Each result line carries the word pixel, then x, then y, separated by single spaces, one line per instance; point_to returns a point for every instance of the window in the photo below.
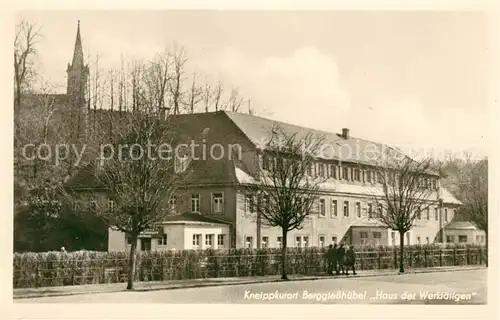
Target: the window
pixel 196 240
pixel 298 241
pixel 418 240
pixel 358 209
pixel 478 238
pixel 419 214
pixel 436 214
pixel 266 203
pixel 357 174
pixel 163 240
pixel 111 205
pixel 407 238
pixel 209 240
pixel 265 162
pixel 380 177
pixel 249 242
pixel 377 234
pixel 427 240
pixel 346 208
pixel 321 241
pixel 364 237
pixel 309 170
pixel 434 184
pixel 369 176
pixel 305 241
pixel 250 204
pixel 333 209
pixel 171 204
pixel 279 241
pixel 265 242
pixel 393 238
pixel 217 202
pixel 445 214
pixel 334 239
pixel 449 239
pixel 321 169
pixel 74 206
pixel 322 212
pixel 220 239
pixel 180 164
pixel 344 173
pixel 195 203
pixel 370 210
pixel 333 171
pixel 391 176
pixel 129 240
pixel 428 213
pixel 462 239
pixel 482 238
pixel 380 210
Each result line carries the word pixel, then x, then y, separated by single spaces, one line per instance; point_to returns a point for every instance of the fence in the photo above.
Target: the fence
pixel 85 267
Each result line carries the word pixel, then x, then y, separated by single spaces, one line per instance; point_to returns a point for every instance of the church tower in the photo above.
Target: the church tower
pixel 78 77
pixel 78 72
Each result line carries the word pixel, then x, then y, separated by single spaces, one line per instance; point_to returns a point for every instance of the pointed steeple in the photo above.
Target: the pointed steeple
pixel 78 52
pixel 77 70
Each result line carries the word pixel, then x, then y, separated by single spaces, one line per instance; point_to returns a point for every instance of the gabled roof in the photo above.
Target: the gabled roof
pixel 368 223
pixel 350 149
pixel 461 225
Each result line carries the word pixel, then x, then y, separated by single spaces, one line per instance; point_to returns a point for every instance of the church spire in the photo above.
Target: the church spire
pixel 78 52
pixel 77 70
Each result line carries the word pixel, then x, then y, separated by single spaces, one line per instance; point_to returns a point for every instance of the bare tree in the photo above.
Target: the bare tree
pixel 158 78
pixel 140 180
pixel 235 101
pixel 404 189
pixel 24 70
pixel 217 95
pixel 207 96
pixel 472 189
pixel 177 78
pixel 194 95
pixel 285 192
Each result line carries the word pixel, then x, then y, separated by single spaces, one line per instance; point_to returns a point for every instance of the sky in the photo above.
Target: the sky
pixel 418 80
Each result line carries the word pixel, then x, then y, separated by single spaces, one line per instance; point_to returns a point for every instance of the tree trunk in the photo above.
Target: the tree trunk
pixel 486 247
pixel 283 255
pixel 131 264
pixel 401 251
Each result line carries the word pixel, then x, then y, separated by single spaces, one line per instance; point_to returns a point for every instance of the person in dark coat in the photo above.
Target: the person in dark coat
pixel 340 259
pixel 328 258
pixel 332 259
pixel 350 260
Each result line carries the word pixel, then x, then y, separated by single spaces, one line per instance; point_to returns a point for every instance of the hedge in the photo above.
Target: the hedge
pixel 87 267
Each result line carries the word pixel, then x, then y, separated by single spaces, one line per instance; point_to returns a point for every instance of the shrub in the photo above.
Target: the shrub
pixel 48 269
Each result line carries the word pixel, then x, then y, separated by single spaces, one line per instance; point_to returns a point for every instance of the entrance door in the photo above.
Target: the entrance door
pixel 146 244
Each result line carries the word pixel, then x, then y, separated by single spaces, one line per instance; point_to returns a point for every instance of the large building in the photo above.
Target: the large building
pixel 215 208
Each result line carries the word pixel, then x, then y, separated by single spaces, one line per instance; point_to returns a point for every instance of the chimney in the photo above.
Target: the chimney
pixel 345 133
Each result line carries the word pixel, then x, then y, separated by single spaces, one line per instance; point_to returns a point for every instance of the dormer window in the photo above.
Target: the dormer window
pixel 180 164
pixel 265 162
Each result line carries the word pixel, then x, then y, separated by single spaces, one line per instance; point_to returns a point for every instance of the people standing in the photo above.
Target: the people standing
pixel 340 259
pixel 350 260
pixel 328 255
pixel 332 259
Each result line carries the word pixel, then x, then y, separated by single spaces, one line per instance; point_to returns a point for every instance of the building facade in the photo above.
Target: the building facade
pixel 345 211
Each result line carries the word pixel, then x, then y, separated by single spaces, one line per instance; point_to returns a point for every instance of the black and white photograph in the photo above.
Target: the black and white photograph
pixel 252 157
